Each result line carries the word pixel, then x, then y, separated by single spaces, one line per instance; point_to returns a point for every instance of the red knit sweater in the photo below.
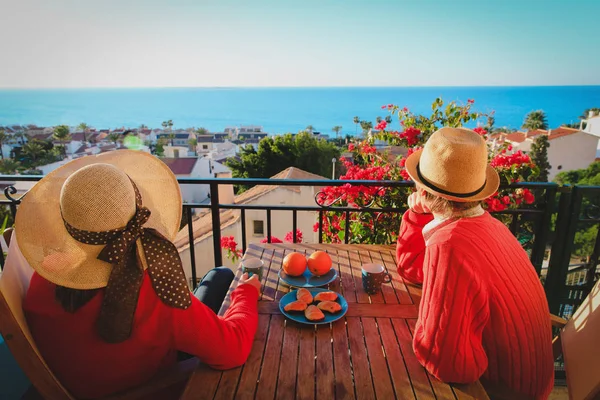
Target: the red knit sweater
pixel 90 367
pixel 484 312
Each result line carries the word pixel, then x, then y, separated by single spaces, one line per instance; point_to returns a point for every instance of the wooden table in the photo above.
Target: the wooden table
pixel 366 355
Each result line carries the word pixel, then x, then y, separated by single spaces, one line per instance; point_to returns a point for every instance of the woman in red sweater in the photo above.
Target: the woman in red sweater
pixel 483 313
pixel 109 305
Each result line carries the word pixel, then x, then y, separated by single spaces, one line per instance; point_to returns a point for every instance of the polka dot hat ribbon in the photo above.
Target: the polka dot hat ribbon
pixel 122 291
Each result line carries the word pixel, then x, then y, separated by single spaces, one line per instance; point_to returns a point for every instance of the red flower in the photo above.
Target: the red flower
pixel 229 243
pixel 289 237
pixel 480 131
pixel 528 196
pixel 411 135
pixel 273 240
pixel 351 147
pixel 384 107
pixel 381 126
pixel 509 148
pixel 316 227
pixel 506 200
pixel 470 101
pixel 405 109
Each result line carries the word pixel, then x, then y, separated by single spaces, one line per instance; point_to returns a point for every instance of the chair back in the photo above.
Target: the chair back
pixel 14 283
pixel 581 352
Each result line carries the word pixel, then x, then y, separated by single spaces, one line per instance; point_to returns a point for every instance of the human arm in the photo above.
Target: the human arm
pixel 454 310
pixel 220 342
pixel 410 248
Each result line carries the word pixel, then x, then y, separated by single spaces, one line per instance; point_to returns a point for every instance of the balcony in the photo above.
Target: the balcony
pixel 549 229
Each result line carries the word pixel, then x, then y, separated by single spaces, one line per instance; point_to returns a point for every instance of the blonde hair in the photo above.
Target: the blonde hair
pixel 440 205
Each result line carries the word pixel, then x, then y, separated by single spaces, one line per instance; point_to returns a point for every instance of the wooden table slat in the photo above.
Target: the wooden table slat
pixel 360 363
pixel 288 364
pixel 346 279
pixel 379 368
pixel 202 384
pixel 269 371
pixel 413 290
pixel 305 389
pixel 355 265
pixel 270 278
pixel 324 371
pixel 418 376
pixel 398 372
pixel 344 387
pixel 250 373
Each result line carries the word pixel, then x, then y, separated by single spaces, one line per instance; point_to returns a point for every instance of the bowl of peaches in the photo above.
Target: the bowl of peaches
pixel 300 271
pixel 313 306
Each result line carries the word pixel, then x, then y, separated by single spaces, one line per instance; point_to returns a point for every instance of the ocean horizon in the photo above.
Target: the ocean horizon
pixel 280 109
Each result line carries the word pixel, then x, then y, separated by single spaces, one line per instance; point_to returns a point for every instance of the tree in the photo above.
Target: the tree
pixel 586 113
pixel 114 137
pixel 194 145
pixel 62 135
pixel 277 153
pixel 159 150
pixel 9 166
pixel 202 131
pixel 388 119
pixel 85 128
pixel 310 128
pixel 378 119
pixel 34 151
pixel 535 120
pixel 20 135
pixel 3 139
pixel 337 130
pixel 539 156
pixel 356 122
pixel 366 125
pixel 142 126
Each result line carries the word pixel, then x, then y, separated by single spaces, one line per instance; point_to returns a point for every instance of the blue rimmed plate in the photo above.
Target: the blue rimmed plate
pixel 298 316
pixel 308 280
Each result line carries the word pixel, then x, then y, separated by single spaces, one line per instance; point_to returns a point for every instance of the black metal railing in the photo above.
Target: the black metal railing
pixel 534 223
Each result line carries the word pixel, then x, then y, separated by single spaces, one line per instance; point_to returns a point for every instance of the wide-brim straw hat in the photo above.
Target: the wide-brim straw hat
pixel 100 194
pixel 453 165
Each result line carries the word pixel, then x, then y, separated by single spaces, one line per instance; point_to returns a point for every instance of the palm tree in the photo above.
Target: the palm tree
pixel 20 135
pixel 33 150
pixel 356 122
pixel 9 166
pixel 62 135
pixel 202 131
pixel 535 120
pixel 337 130
pixel 142 126
pixel 85 128
pixel 378 119
pixel 114 137
pixel 3 139
pixel 310 128
pixel 388 119
pixel 366 125
pixel 168 125
pixel 194 144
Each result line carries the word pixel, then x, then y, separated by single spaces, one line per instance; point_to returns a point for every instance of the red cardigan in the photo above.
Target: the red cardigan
pixel 483 313
pixel 90 368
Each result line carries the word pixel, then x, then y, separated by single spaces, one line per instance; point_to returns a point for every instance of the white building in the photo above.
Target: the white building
pixel 256 220
pixel 570 148
pixel 195 167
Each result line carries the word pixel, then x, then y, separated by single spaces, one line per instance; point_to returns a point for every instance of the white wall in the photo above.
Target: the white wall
pixel 281 221
pixel 204 254
pixel 571 152
pixel 593 126
pixel 171 150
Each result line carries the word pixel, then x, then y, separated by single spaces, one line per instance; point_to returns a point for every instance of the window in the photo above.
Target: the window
pixel 204 146
pixel 176 153
pixel 259 227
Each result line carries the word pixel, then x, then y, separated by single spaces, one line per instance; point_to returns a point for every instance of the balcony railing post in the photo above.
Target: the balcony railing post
pixel 190 225
pixel 243 217
pixel 566 226
pixel 216 222
pixel 543 230
pixel 295 225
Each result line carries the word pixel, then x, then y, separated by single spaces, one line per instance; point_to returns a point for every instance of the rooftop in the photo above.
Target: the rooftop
pixel 180 166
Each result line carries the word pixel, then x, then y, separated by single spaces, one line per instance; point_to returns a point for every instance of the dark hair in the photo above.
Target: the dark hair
pixel 72 300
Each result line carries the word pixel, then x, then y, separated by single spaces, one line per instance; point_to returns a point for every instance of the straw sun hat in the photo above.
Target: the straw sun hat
pixel 99 222
pixel 453 165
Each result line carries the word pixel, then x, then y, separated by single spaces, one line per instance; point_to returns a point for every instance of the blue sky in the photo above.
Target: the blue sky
pixel 135 43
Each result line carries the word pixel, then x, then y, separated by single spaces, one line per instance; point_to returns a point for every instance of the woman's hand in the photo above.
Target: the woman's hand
pixel 416 204
pixel 253 281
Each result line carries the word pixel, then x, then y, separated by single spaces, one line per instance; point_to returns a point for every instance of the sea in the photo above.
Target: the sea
pixel 280 110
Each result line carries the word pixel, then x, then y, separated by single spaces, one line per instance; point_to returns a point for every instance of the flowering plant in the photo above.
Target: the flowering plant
pixel 368 162
pixel 233 253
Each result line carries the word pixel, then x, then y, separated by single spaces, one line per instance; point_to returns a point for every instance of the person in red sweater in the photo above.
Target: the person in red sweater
pixel 109 305
pixel 483 312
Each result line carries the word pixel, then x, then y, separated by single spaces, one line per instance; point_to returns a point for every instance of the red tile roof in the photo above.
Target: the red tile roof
pixel 181 166
pixel 561 131
pixel 536 132
pixel 515 137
